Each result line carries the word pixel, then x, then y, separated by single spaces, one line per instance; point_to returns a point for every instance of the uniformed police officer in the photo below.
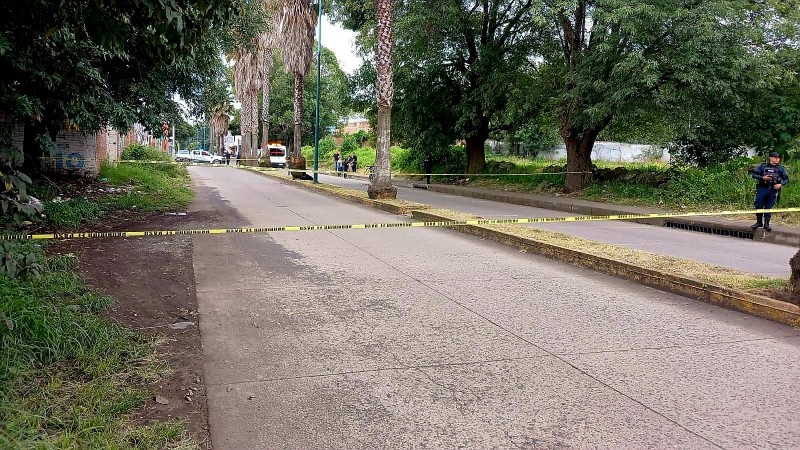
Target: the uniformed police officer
pixel 771 177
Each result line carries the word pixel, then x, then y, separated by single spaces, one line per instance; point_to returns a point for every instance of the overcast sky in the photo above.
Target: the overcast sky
pixel 342 43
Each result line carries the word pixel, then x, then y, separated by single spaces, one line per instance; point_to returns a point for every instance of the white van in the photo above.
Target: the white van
pixel 198 156
pixel 277 156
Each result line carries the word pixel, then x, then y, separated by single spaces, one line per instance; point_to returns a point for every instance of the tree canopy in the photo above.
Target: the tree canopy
pixel 467 70
pixel 333 97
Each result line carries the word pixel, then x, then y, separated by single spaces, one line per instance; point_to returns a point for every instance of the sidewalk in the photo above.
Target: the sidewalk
pixel 780 234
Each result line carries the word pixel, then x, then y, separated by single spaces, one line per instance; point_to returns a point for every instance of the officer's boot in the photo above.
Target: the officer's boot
pixel 758 223
pixel 767 218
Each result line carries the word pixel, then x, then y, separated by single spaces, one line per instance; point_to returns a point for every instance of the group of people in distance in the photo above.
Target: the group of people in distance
pixel 345 165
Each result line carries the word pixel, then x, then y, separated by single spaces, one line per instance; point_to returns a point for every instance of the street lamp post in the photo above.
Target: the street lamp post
pixel 319 74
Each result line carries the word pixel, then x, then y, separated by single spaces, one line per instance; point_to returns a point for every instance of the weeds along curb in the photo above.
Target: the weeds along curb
pixel 756 305
pixel 399 207
pixel 782 235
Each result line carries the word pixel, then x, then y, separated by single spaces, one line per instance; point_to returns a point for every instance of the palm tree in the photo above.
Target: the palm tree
pixel 265 56
pixel 219 126
pixel 266 45
pixel 381 186
pixel 297 39
pixel 248 80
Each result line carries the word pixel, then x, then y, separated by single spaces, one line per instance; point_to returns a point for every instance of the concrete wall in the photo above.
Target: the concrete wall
pixel 614 152
pixel 76 151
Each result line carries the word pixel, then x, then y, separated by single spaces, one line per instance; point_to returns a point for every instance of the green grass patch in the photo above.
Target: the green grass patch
pixel 720 187
pixel 156 187
pixel 147 188
pixel 68 377
pixel 71 213
pixel 144 153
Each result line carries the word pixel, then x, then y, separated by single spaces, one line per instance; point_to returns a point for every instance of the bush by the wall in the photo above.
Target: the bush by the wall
pixel 141 152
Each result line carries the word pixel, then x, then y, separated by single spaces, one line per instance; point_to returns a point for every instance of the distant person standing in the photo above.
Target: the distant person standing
pixel 428 166
pixel 337 162
pixel 227 157
pixel 354 163
pixel 771 178
pixel 347 164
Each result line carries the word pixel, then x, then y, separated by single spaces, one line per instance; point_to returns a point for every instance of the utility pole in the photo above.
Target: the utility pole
pixel 319 75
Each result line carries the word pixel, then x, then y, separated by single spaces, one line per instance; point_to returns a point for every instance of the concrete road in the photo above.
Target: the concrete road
pixel 426 338
pixel 746 255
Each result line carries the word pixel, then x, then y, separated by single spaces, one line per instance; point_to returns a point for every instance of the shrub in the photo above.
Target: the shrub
pixel 450 160
pixel 327 145
pixel 349 144
pixel 139 152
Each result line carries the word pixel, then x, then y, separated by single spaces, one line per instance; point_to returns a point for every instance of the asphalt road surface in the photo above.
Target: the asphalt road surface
pixel 749 256
pixel 426 338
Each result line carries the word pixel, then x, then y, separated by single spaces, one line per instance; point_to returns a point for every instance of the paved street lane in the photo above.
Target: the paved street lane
pixel 749 256
pixel 426 338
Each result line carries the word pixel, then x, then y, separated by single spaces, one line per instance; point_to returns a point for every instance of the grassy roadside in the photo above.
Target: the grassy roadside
pixel 69 379
pixel 722 187
pixel 126 186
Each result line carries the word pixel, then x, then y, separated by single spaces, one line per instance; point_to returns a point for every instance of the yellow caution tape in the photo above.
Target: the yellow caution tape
pixel 449 223
pixel 235 161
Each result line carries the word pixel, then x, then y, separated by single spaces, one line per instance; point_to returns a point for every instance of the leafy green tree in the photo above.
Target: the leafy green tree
pixel 97 62
pixel 469 70
pixel 456 63
pixel 610 58
pixel 334 93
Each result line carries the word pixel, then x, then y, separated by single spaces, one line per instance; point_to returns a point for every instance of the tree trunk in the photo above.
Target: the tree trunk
pixel 252 155
pixel 297 161
pixel 476 147
pixel 381 186
pixel 245 121
pixel 265 121
pixel 794 279
pixel 579 158
pixel 298 114
pixel 476 154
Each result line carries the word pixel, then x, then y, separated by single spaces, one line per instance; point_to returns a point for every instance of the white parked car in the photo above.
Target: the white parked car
pixel 277 156
pixel 198 156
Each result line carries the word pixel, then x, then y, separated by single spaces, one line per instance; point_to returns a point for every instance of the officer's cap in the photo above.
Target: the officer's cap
pixel 774 155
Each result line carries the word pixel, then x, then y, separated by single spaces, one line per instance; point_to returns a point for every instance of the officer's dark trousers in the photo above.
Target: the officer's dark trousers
pixel 765 199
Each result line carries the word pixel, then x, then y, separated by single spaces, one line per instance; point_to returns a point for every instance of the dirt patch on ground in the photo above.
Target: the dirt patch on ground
pixel 778 293
pixel 152 283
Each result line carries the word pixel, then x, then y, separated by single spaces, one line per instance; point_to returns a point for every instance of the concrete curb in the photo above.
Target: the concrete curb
pixel 756 305
pixel 780 234
pixel 395 207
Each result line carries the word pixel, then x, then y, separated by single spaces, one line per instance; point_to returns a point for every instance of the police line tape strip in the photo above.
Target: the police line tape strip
pixel 400 174
pixel 437 224
pixel 322 172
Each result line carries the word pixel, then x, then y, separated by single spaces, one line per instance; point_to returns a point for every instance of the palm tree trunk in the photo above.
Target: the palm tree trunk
pixel 298 113
pixel 246 125
pixel 252 155
pixel 267 68
pixel 298 161
pixel 381 186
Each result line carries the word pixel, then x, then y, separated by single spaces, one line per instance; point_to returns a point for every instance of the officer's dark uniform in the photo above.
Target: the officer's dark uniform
pixel 766 194
pixel 428 166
